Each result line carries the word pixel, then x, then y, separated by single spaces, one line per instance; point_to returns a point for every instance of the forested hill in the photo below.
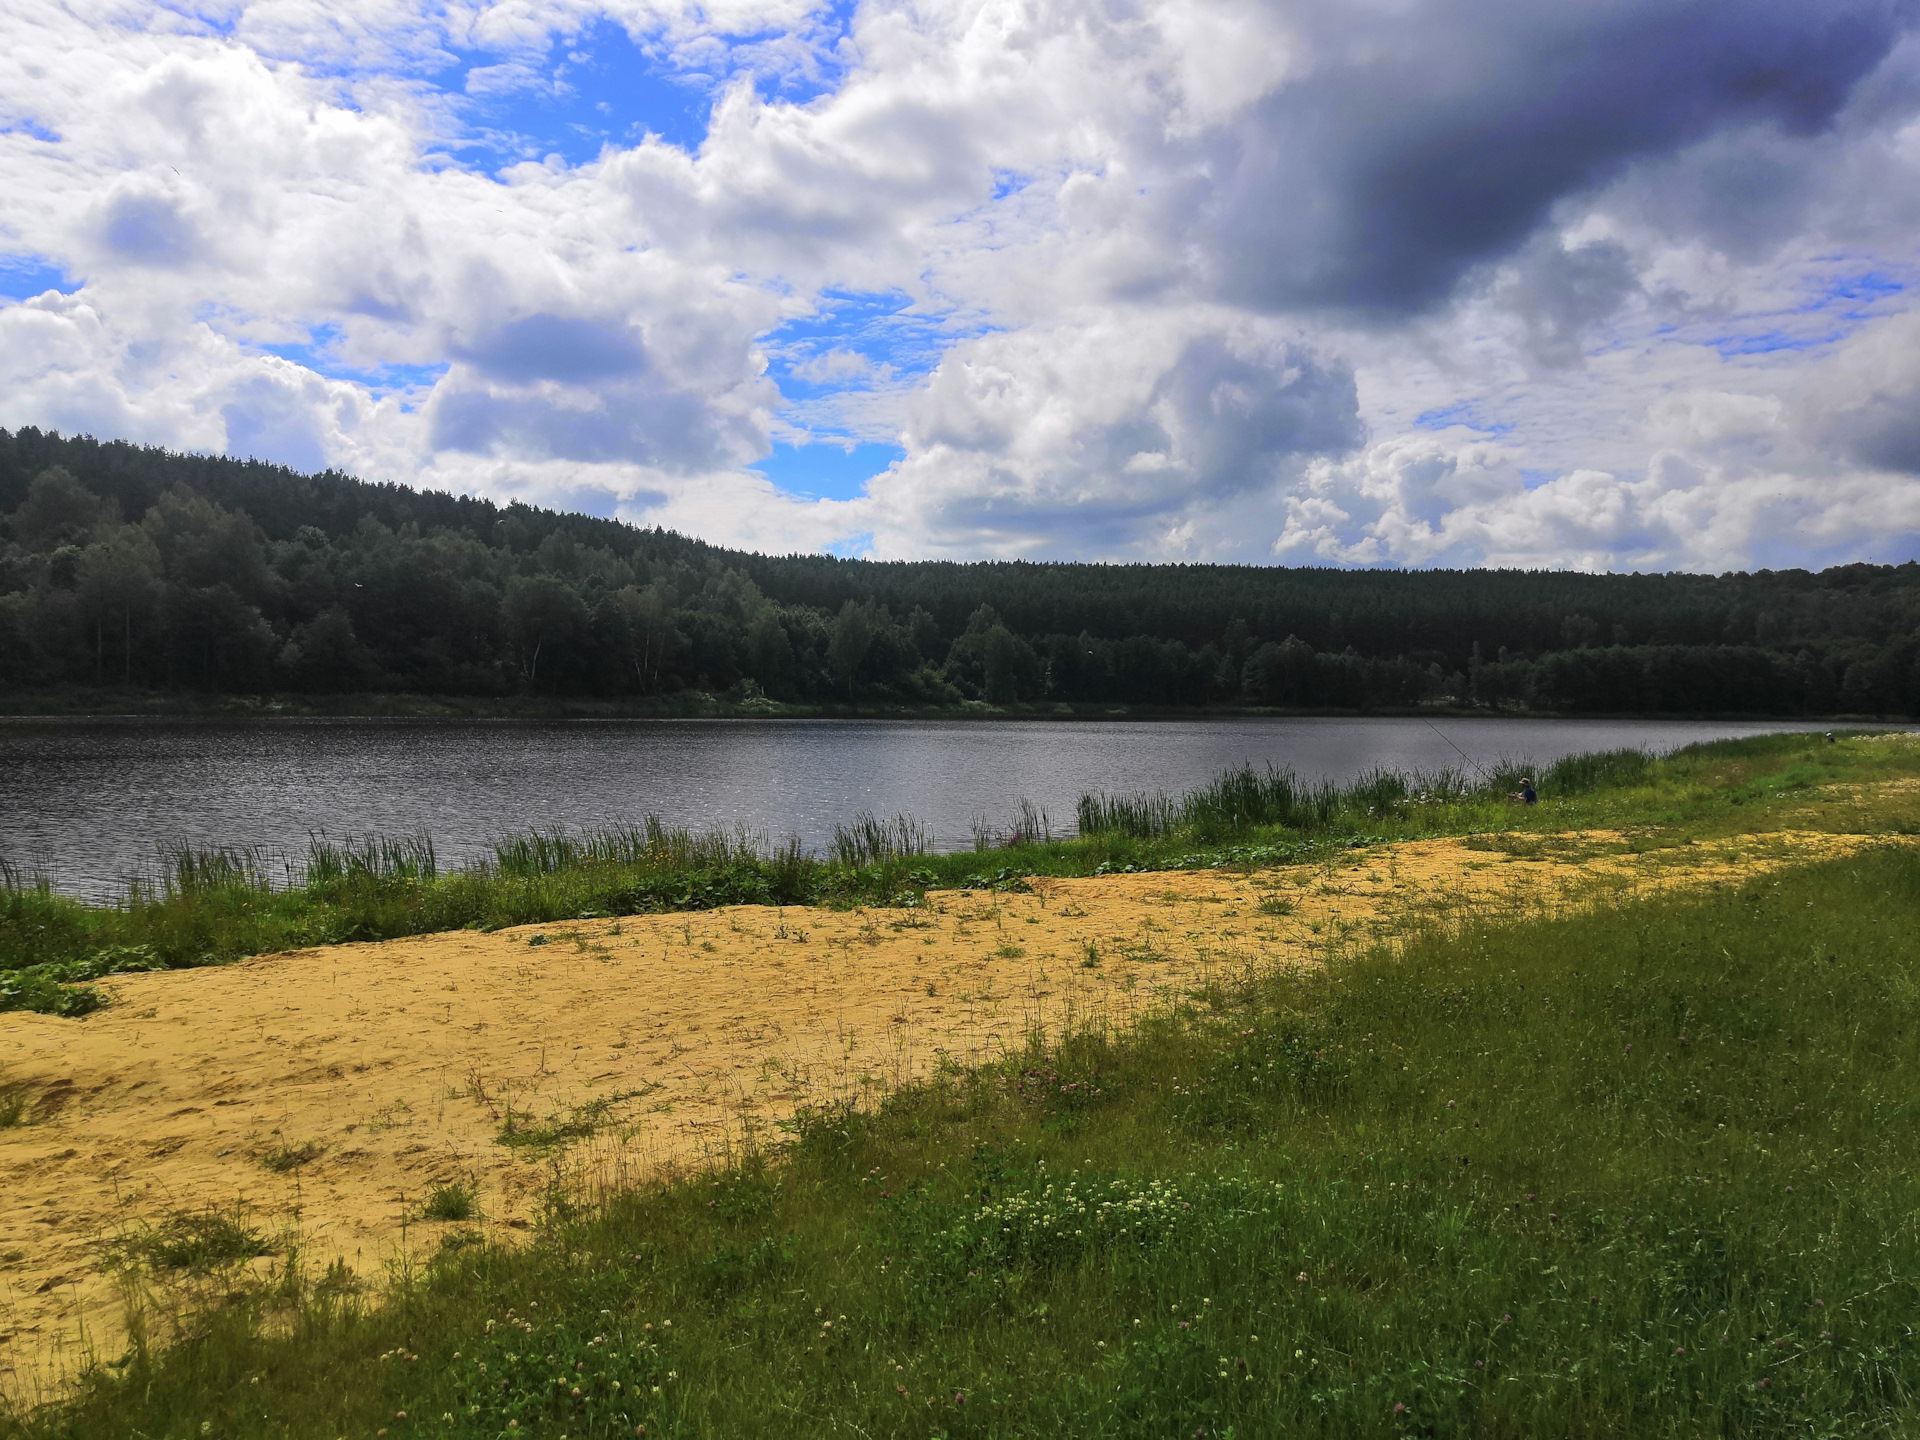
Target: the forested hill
pixel 132 567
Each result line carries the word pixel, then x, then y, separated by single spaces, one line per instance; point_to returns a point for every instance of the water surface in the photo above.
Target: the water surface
pixel 91 801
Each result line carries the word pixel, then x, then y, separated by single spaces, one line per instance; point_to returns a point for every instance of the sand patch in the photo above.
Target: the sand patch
pixel 603 1052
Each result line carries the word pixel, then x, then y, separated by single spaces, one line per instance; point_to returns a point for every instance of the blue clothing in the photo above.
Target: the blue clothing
pixel 1527 797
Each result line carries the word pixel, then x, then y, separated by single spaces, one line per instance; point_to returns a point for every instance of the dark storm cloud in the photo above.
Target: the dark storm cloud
pixel 1422 145
pixel 1558 292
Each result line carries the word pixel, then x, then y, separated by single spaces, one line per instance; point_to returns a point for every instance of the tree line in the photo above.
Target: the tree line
pixel 133 567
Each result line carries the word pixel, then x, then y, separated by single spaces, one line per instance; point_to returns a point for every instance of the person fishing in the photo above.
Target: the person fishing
pixel 1525 793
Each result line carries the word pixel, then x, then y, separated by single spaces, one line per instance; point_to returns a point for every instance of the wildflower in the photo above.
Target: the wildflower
pixel 1679 1349
pixel 576 1392
pixel 1399 1408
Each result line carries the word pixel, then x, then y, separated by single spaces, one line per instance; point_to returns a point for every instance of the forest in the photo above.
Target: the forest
pixel 129 568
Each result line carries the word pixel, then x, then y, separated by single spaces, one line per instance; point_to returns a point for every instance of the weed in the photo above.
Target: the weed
pixel 456 1202
pixel 193 1241
pixel 285 1159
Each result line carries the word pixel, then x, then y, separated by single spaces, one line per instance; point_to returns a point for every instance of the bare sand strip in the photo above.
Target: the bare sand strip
pixel 664 1041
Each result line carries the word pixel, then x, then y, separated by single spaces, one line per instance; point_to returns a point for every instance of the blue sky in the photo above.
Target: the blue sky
pixel 1619 285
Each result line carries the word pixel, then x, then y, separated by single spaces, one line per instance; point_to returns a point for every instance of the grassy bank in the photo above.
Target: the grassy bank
pixel 213 906
pixel 1644 1171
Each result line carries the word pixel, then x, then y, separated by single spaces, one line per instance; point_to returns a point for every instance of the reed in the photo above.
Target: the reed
pixel 866 841
pixel 376 859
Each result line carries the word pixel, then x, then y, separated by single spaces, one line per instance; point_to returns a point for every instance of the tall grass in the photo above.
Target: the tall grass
pixel 1244 798
pixel 1581 774
pixel 380 859
pixel 868 841
pixel 651 845
pixel 197 870
pixel 1642 1171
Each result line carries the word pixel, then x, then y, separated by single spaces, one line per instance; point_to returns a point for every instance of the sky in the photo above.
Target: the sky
pixel 1597 284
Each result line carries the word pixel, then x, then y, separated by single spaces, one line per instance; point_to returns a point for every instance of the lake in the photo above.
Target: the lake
pixel 89 802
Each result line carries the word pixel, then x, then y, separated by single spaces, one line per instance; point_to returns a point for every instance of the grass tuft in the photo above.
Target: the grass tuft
pixel 194 1241
pixel 455 1202
pixel 285 1159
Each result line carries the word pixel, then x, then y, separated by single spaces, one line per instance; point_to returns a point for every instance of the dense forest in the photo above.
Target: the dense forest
pixel 129 567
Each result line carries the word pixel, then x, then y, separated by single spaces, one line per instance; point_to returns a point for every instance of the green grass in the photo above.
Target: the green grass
pixel 214 906
pixel 196 1242
pixel 1642 1171
pixel 452 1202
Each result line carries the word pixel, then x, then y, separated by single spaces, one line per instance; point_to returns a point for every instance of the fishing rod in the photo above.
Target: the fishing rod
pixel 1457 750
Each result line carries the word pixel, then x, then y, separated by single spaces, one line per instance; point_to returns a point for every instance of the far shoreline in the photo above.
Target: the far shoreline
pixel 108 704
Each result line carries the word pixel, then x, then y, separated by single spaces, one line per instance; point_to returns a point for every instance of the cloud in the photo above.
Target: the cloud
pixel 554 347
pixel 1130 433
pixel 1610 282
pixel 148 230
pixel 1420 144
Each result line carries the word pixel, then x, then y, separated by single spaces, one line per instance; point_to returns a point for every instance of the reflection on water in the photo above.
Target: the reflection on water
pixel 91 800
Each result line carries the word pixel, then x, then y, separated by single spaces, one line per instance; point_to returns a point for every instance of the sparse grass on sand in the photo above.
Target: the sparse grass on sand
pixel 1640 1171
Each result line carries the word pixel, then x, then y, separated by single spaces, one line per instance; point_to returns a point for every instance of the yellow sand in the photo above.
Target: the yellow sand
pixel 670 1038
